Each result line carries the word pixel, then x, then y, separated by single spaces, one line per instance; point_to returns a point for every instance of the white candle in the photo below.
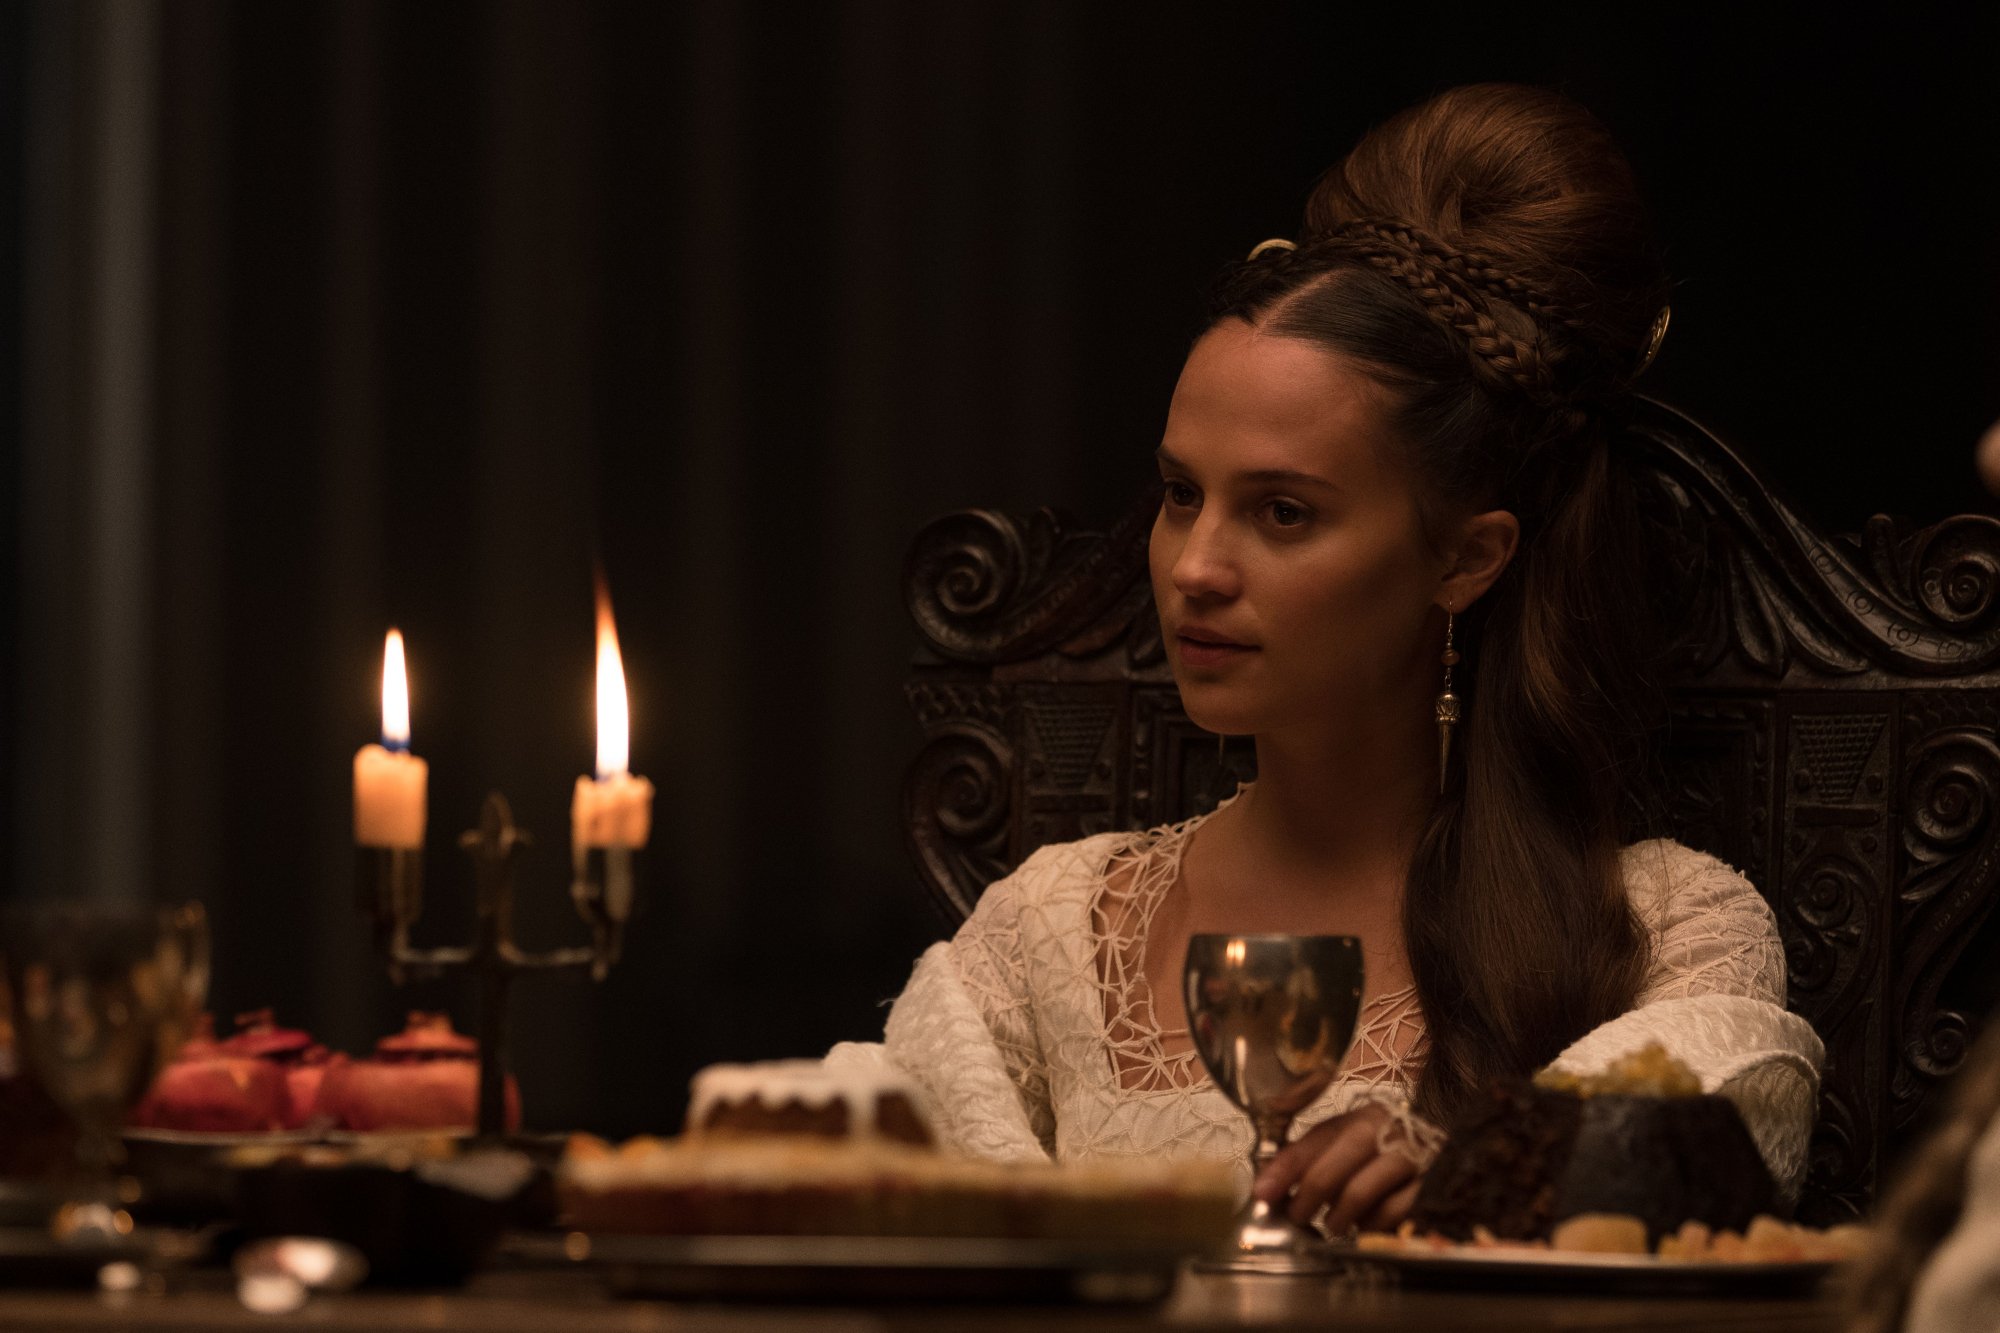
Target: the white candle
pixel 389 781
pixel 614 809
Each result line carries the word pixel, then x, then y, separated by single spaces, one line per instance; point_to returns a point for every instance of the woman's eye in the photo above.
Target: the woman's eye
pixel 1285 514
pixel 1179 494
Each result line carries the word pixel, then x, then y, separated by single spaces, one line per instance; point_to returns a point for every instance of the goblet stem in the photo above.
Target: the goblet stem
pixel 1264 1239
pixel 1272 1131
pixel 92 1212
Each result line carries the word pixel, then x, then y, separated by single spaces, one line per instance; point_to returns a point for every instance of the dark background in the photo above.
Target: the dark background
pixel 436 303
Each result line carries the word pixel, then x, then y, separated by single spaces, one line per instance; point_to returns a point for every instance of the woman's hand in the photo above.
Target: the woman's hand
pixel 1336 1165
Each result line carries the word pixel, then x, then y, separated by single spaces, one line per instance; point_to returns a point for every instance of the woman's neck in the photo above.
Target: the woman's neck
pixel 1341 806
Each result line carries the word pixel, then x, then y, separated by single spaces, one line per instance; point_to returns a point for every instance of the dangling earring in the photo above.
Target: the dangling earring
pixel 1447 703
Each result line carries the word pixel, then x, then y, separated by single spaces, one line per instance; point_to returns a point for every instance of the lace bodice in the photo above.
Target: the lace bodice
pixel 1387 1047
pixel 1033 1032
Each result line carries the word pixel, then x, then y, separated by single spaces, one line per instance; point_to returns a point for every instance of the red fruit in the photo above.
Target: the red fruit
pixel 302 1060
pixel 302 1085
pixel 427 1036
pixel 258 1035
pixel 217 1094
pixel 264 1077
pixel 424 1077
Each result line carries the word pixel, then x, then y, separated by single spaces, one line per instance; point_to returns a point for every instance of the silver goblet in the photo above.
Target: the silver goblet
pixel 1271 1016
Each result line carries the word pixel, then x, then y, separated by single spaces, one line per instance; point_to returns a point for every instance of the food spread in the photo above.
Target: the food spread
pixel 265 1078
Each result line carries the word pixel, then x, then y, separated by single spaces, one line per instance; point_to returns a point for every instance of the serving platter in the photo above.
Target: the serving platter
pixel 858 1269
pixel 204 1138
pixel 1507 1269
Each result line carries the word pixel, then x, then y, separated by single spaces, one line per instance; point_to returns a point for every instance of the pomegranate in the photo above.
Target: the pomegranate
pixel 303 1060
pixel 424 1077
pixel 210 1088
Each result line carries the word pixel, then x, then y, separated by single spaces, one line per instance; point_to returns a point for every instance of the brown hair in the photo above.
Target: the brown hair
pixel 1485 255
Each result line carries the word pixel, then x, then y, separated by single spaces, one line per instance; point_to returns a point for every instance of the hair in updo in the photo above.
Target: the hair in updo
pixel 1485 256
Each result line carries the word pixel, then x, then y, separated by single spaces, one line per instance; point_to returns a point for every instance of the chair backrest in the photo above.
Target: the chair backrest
pixel 1833 732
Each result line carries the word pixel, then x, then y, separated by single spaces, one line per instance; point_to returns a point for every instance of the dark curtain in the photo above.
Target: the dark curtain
pixel 447 301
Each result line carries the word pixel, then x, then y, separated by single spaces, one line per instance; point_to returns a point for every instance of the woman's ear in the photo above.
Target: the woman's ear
pixel 1484 545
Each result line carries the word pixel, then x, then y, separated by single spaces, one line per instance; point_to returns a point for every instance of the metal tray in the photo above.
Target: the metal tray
pixel 1567 1271
pixel 858 1269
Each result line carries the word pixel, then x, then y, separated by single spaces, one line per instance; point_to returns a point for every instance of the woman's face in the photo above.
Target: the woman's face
pixel 1294 582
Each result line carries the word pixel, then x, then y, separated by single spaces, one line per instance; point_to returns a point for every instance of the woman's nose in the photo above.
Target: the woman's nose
pixel 1205 566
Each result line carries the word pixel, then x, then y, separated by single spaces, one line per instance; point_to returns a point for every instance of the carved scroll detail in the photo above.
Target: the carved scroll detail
pixel 956 806
pixel 1951 847
pixel 984 587
pixel 1828 906
pixel 1839 1162
pixel 1758 582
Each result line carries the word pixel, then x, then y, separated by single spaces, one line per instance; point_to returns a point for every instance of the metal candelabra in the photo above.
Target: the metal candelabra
pixel 392 896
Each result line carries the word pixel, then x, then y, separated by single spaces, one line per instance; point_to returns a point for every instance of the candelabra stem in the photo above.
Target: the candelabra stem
pixel 494 846
pixel 493 986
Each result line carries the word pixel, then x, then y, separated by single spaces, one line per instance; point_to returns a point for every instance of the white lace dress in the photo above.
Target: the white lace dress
pixel 1032 1033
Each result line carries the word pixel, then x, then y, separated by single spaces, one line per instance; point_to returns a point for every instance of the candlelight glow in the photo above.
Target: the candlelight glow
pixel 395 694
pixel 614 724
pixel 1234 952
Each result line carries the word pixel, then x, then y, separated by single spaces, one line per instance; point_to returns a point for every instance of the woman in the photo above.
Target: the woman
pixel 1391 547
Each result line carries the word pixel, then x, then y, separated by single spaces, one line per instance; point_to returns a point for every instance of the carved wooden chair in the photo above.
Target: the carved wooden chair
pixel 1833 732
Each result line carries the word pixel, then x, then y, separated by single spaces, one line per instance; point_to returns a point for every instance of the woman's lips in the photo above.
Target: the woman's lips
pixel 1197 652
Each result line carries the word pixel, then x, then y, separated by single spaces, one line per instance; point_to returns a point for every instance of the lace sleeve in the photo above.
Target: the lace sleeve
pixel 992 965
pixel 1714 998
pixel 963 1031
pixel 1712 932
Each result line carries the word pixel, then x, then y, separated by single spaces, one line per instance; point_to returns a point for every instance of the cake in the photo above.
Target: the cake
pixel 710 1184
pixel 791 1148
pixel 802 1097
pixel 1639 1140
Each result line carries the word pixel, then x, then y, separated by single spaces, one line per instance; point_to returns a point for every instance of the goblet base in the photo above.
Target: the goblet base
pixel 1269 1242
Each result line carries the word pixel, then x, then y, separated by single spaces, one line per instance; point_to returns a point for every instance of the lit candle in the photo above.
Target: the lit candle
pixel 614 809
pixel 389 781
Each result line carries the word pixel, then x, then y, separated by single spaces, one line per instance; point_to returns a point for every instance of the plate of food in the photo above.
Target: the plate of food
pixel 1609 1253
pixel 1631 1179
pixel 266 1086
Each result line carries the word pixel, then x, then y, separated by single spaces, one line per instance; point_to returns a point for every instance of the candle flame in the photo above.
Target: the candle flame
pixel 614 723
pixel 395 694
pixel 1235 952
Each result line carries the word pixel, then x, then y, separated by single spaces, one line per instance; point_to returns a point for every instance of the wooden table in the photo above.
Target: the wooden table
pixel 560 1303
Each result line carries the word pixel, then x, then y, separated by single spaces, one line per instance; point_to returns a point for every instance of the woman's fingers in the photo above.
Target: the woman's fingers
pixel 1367 1189
pixel 1276 1181
pixel 1389 1214
pixel 1331 1169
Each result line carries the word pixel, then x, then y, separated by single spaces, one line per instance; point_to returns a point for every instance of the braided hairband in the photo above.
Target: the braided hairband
pixel 1455 288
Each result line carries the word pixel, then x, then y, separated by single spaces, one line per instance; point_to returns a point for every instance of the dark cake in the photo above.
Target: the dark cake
pixel 1533 1156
